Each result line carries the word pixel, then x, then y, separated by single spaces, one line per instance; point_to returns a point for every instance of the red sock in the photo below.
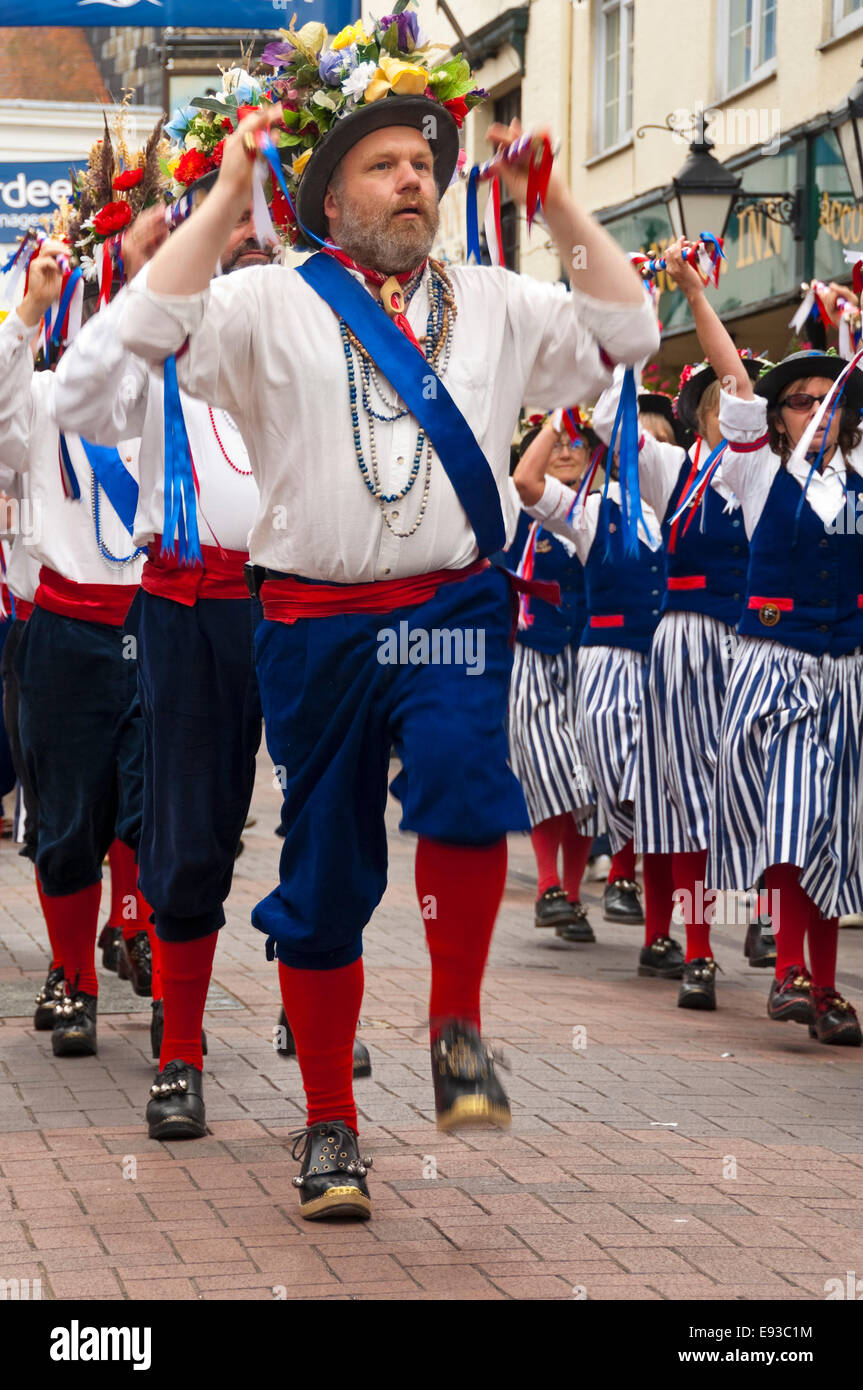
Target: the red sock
pixel 186 967
pixel 658 896
pixel 687 872
pixel 73 920
pixel 545 838
pixel 576 852
pixel 56 960
pixel 124 890
pixel 792 912
pixel 623 863
pixel 323 1008
pixel 155 953
pixel 822 939
pixel 459 888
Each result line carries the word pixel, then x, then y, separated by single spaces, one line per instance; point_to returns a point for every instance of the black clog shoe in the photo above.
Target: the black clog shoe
pixel 111 944
pixel 835 1019
pixel 621 902
pixel 579 929
pixel 74 1031
pixel 285 1045
pixel 790 999
pixel 759 948
pixel 157 1030
pixel 51 993
pixel 698 987
pixel 332 1178
pixel 176 1109
pixel 553 908
pixel 662 959
pixel 466 1088
pixel 135 963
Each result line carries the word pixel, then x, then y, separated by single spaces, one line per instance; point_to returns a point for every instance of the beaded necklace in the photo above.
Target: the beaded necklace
pixel 97 524
pixel 437 345
pixel 243 472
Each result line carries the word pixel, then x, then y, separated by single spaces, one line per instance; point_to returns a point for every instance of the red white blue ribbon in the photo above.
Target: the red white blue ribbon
pixel 525 571
pixel 706 255
pixel 697 485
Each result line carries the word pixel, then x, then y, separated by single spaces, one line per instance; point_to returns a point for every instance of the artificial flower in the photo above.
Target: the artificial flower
pixel 180 122
pixel 193 165
pixel 352 33
pixel 300 163
pixel 408 25
pixel 331 67
pixel 277 55
pixel 403 79
pixel 113 217
pixel 244 87
pixel 356 83
pixel 218 152
pixel 129 178
pixel 458 109
pixel 243 111
pixel 309 40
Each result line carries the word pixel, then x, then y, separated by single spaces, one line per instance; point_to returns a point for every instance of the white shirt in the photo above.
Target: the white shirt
pixel 752 474
pixel 227 500
pixel 64 534
pixel 556 500
pixel 22 567
pixel 268 349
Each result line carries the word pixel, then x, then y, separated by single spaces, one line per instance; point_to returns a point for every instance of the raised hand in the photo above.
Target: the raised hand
pixel 142 239
pixel 44 282
pixel 238 159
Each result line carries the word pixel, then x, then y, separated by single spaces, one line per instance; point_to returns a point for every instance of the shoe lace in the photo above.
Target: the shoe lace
pixel 334 1131
pixel 171 1081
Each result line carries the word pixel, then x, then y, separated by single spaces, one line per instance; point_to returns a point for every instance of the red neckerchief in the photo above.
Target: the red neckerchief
pixel 392 299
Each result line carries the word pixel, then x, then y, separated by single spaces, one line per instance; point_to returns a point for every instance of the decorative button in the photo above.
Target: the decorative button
pixel 736 597
pixel 823 574
pixel 769 614
pixel 823 627
pixel 394 515
pixel 824 603
pixel 654 569
pixel 735 523
pixel 823 543
pixel 385 571
pixel 736 549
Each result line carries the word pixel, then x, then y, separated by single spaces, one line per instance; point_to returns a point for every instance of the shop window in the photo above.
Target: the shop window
pixel 747 41
pixel 847 15
pixel 613 73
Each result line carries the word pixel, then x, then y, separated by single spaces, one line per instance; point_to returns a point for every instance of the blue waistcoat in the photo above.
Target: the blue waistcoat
pixel 624 592
pixel 714 558
pixel 806 579
pixel 552 628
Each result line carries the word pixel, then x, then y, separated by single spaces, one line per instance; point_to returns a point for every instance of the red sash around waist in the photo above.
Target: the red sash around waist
pixel 221 575
pixel 23 608
pixel 91 603
pixel 687 581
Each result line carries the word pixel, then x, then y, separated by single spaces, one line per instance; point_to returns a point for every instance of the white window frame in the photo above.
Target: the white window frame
pixel 845 24
pixel 761 67
pixel 624 130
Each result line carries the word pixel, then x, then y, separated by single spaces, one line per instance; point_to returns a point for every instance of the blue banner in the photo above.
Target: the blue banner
pixel 220 14
pixel 31 192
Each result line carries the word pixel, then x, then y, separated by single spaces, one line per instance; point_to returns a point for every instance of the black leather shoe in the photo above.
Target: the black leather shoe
pixel 157 1030
pixel 663 959
pixel 286 1047
pixel 552 909
pixel 579 929
pixel 332 1178
pixel 139 964
pixel 759 947
pixel 466 1088
pixel 50 994
pixel 790 999
pixel 835 1019
pixel 698 988
pixel 175 1109
pixel 74 1032
pixel 620 902
pixel 111 944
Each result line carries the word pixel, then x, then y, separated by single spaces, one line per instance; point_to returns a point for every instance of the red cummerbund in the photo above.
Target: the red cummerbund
pixel 23 608
pixel 220 575
pixel 92 603
pixel 287 600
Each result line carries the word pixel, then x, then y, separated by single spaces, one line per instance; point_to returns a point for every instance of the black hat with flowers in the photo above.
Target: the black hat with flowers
pixel 694 381
pixel 802 365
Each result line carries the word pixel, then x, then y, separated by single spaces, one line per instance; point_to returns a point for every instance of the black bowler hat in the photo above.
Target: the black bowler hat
pixel 801 365
pixel 697 383
pixel 657 403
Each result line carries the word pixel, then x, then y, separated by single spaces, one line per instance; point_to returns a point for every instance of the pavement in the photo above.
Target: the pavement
pixel 654 1153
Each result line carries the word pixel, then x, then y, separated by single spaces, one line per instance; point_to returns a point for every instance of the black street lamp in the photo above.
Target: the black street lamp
pixel 847 121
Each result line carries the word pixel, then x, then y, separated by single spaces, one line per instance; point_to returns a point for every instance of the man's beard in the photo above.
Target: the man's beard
pixel 246 248
pixel 379 240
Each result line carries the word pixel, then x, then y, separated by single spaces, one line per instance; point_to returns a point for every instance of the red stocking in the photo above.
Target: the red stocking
pixel 687 871
pixel 55 945
pixel 72 922
pixel 186 967
pixel 124 891
pixel 623 863
pixel 658 893
pixel 792 912
pixel 822 939
pixel 323 1009
pixel 545 838
pixel 576 852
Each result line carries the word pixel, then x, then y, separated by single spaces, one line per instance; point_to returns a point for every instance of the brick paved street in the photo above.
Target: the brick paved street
pixel 674 1155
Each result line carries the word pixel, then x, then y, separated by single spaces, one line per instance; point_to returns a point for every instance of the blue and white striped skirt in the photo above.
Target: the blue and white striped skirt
pixel 544 751
pixel 609 693
pixel 788 785
pixel 690 663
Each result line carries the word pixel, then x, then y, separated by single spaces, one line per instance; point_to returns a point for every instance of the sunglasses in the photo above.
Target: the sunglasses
pixel 801 401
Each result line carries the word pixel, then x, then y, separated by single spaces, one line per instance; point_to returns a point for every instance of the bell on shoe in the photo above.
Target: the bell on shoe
pixel 157 1030
pixel 466 1088
pixel 111 944
pixel 74 1031
pixel 790 999
pixel 759 948
pixel 50 994
pixel 176 1109
pixel 287 1047
pixel 332 1177
pixel 662 959
pixel 579 929
pixel 620 902
pixel 553 908
pixel 835 1019
pixel 698 987
pixel 135 963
